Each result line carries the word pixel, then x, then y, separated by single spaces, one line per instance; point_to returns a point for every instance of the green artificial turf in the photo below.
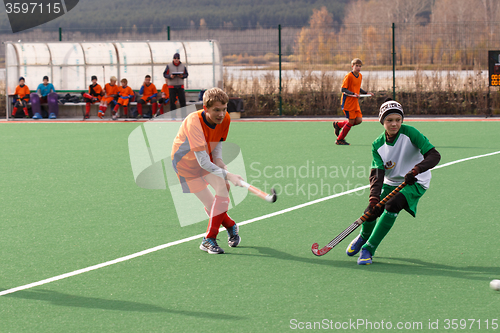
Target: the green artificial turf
pixel 69 201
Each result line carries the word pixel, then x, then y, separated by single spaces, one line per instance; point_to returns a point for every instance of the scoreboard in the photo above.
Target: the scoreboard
pixel 494 68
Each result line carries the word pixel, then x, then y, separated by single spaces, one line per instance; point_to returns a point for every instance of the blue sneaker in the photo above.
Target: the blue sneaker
pixel 355 246
pixel 37 116
pixel 233 238
pixel 365 258
pixel 52 116
pixel 210 245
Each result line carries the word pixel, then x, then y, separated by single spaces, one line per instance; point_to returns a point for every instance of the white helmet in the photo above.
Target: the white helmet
pixel 388 108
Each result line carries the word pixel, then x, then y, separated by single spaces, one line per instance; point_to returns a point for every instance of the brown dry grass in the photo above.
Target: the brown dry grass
pixel 315 94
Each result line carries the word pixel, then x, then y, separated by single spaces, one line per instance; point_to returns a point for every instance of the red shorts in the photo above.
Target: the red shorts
pixel 123 102
pixel 107 99
pixel 145 100
pixel 353 114
pixel 193 183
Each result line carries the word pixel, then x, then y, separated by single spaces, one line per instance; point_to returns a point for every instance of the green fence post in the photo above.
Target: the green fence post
pixel 393 63
pixel 60 34
pixel 279 56
pixel 168 33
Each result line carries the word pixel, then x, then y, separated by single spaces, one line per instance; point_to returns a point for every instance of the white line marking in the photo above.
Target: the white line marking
pixel 465 159
pixel 184 240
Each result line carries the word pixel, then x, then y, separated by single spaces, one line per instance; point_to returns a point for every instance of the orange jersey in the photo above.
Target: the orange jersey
pixel 111 90
pixel 164 90
pixel 196 134
pixel 127 91
pixel 352 84
pixel 149 91
pixel 22 91
pixel 97 90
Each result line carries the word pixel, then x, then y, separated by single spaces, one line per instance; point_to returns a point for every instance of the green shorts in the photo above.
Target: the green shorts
pixel 412 193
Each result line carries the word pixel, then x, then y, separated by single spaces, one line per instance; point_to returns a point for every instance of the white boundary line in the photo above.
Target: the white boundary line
pixel 465 159
pixel 188 239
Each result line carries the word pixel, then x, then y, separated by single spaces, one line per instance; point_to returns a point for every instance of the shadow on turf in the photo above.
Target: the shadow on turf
pixel 420 267
pixel 268 252
pixel 410 267
pixel 62 299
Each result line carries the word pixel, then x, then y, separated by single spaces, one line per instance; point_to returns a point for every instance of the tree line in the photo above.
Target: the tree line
pixel 427 32
pixel 153 16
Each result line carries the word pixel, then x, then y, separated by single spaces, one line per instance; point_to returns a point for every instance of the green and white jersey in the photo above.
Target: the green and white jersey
pixel 400 156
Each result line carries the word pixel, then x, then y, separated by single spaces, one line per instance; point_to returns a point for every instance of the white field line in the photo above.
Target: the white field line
pixel 184 240
pixel 465 159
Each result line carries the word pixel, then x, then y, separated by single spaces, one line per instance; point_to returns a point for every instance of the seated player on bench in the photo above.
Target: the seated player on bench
pixel 164 98
pixel 93 96
pixel 44 91
pixel 110 96
pixel 197 160
pixel 125 94
pixel 149 93
pixel 21 98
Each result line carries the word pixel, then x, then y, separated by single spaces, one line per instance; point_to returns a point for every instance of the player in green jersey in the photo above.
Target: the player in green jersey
pixel 399 154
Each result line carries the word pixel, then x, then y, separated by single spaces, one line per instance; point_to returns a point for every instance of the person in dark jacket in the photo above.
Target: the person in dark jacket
pixel 175 73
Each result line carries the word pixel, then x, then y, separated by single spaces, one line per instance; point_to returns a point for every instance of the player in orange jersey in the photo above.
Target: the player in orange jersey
pixel 110 96
pixel 351 88
pixel 22 98
pixel 149 93
pixel 93 96
pixel 164 98
pixel 125 94
pixel 197 160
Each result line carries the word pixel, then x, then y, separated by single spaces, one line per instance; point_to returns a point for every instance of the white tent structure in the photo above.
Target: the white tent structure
pixel 70 65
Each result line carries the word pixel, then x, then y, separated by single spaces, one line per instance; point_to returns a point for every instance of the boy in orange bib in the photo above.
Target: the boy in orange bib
pixel 351 88
pixel 125 94
pixel 93 96
pixel 22 96
pixel 197 160
pixel 149 93
pixel 110 94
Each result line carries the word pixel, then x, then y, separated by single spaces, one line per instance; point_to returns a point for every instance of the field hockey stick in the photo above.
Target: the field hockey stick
pixel 359 95
pixel 261 194
pixel 353 226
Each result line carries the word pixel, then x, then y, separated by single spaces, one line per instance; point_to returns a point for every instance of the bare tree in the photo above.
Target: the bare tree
pixel 491 9
pixel 456 11
pixel 406 11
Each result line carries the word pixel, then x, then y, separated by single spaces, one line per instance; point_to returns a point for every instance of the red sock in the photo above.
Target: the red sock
pixel 25 111
pixel 87 109
pixel 155 107
pixel 228 222
pixel 139 108
pixel 342 124
pixel 117 106
pixel 161 108
pixel 14 112
pixel 102 108
pixel 219 207
pixel 125 111
pixel 344 131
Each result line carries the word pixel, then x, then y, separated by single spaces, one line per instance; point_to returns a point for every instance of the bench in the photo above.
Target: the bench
pixel 77 110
